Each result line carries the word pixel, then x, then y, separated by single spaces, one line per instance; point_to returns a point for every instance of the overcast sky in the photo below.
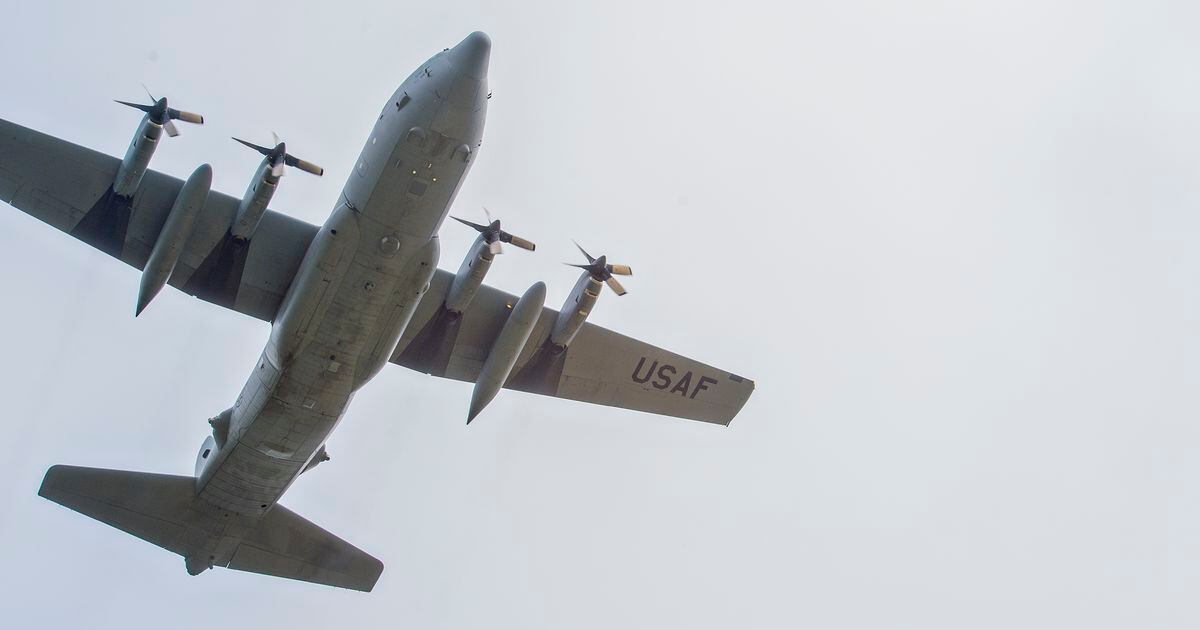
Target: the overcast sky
pixel 953 243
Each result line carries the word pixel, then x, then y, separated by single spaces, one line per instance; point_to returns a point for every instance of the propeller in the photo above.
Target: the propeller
pixel 279 157
pixel 604 272
pixel 495 236
pixel 163 115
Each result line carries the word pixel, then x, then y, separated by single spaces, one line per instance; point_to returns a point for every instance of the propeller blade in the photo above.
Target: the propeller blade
pixel 517 241
pixel 495 247
pixel 488 213
pixel 585 254
pixel 187 117
pixel 620 270
pixel 169 127
pixel 262 150
pixel 307 167
pixel 478 228
pixel 144 108
pixel 148 93
pixel 615 286
pixel 275 137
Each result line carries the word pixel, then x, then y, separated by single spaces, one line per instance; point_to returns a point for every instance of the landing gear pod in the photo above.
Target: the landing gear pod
pixel 320 456
pixel 507 348
pixel 206 454
pixel 214 443
pixel 174 235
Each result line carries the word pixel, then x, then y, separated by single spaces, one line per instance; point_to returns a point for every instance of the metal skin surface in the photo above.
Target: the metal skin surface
pixel 344 299
pixel 359 283
pixel 137 157
pixel 174 234
pixel 470 276
pixel 503 355
pixel 254 202
pixel 576 310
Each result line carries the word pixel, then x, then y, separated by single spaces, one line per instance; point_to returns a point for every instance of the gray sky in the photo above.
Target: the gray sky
pixel 952 242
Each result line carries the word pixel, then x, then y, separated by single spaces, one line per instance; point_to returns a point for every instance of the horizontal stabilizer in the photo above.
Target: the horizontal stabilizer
pixel 164 510
pixel 289 546
pixel 152 507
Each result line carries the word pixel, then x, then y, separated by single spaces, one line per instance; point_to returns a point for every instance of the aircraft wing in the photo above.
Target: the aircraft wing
pixel 68 186
pixel 600 366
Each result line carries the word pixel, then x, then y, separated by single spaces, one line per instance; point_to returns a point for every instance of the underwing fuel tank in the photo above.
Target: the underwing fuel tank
pixel 174 235
pixel 503 355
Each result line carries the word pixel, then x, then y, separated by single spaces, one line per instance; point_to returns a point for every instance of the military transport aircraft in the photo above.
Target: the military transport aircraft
pixel 343 300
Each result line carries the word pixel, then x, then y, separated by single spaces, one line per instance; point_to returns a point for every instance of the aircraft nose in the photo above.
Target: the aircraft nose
pixel 470 56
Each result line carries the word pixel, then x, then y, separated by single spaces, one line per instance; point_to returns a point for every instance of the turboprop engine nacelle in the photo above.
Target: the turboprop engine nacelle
pixel 137 157
pixel 479 259
pixel 254 202
pixel 158 118
pixel 470 275
pixel 583 297
pixel 263 186
pixel 575 310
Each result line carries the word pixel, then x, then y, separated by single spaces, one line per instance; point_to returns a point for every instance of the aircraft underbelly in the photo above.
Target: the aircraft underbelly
pixel 291 414
pixel 356 290
pixel 296 412
pixel 339 334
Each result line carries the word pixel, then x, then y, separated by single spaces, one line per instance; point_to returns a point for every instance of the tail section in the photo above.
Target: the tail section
pixel 165 511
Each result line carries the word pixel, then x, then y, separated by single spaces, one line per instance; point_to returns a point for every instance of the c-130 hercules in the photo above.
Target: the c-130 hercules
pixel 343 300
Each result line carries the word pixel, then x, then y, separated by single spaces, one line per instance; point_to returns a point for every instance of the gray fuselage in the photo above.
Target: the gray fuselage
pixel 358 285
